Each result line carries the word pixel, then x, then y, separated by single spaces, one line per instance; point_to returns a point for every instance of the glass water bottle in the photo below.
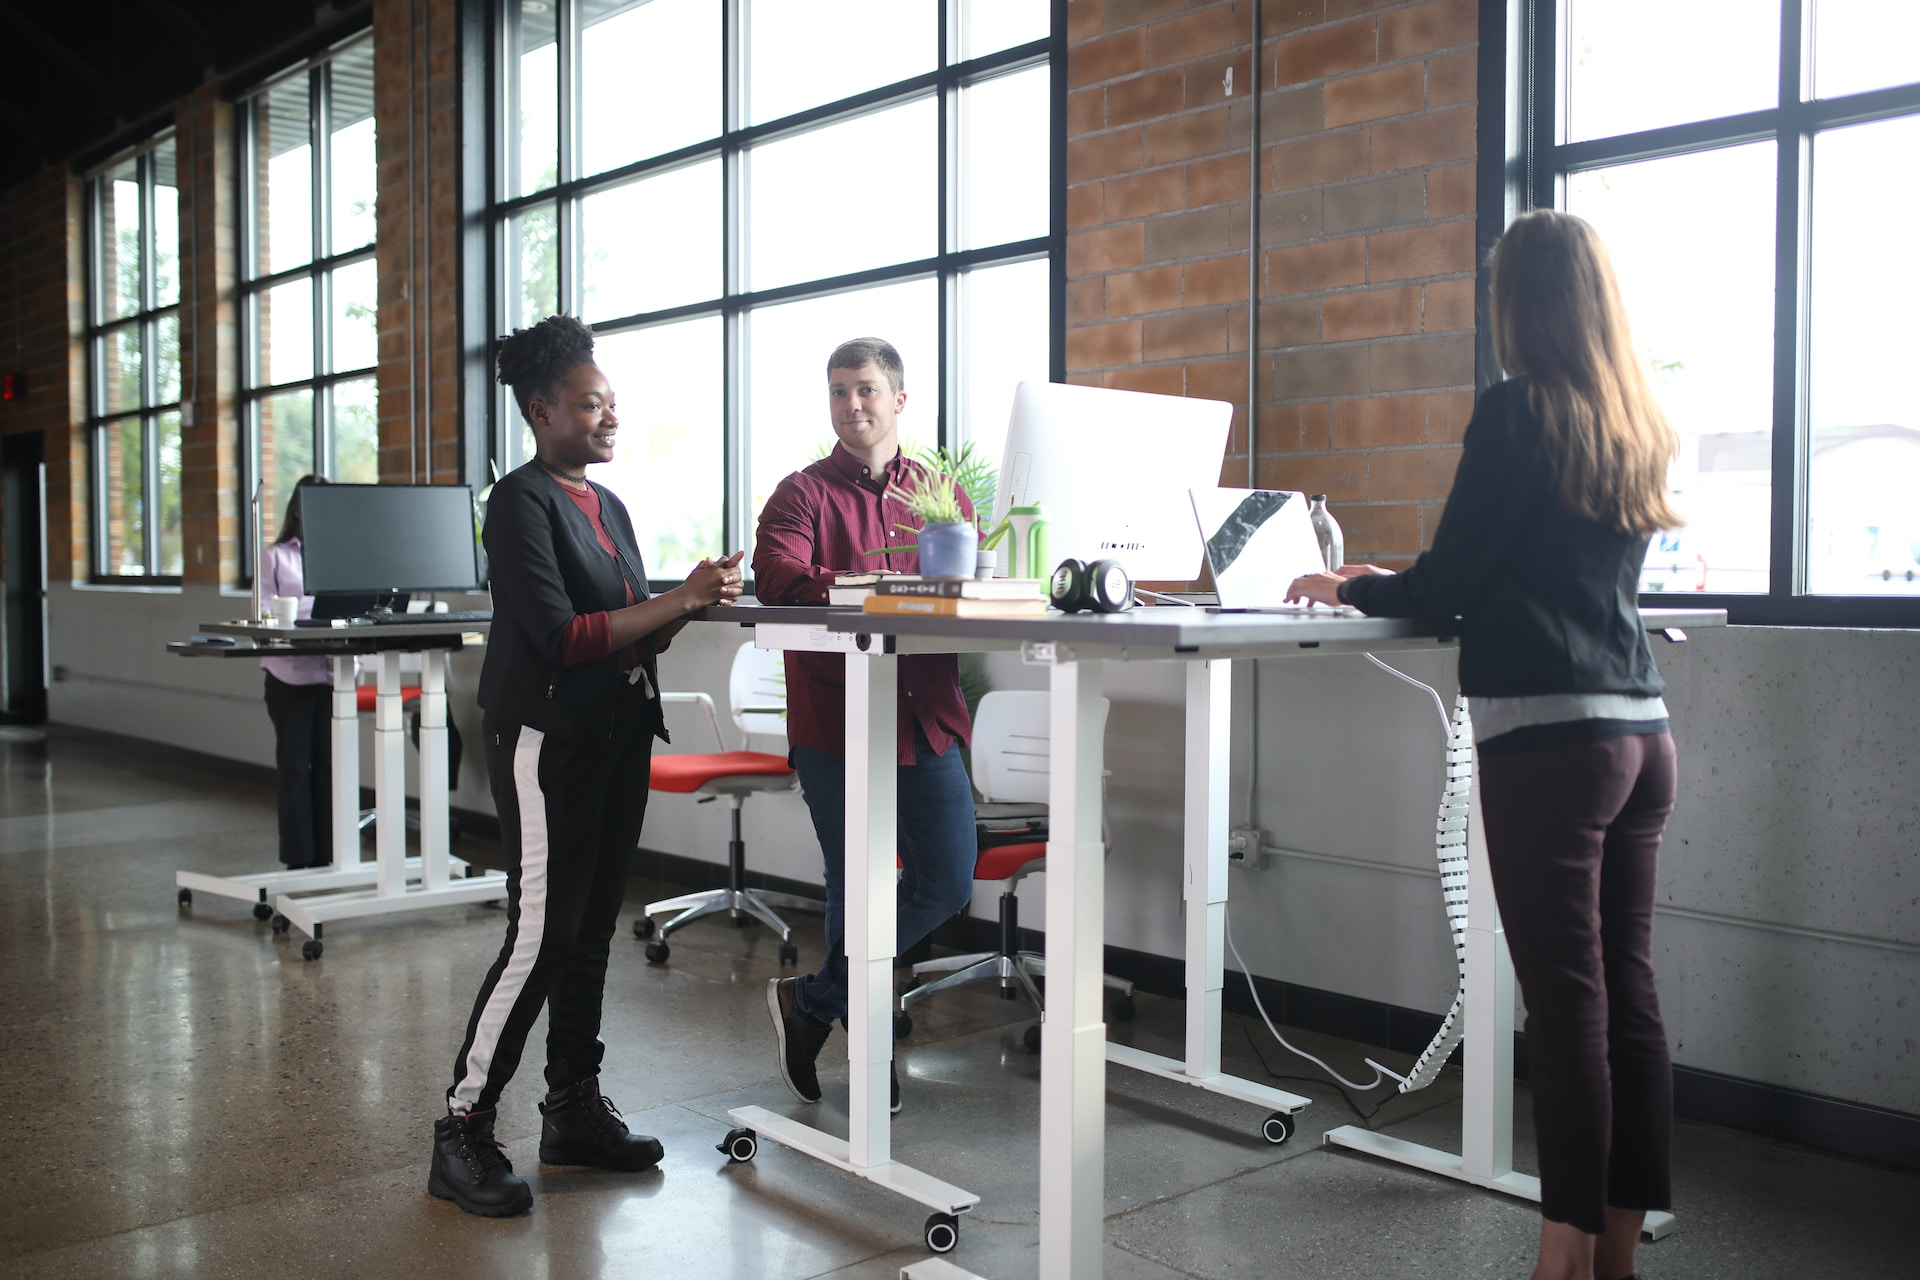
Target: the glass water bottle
pixel 1333 547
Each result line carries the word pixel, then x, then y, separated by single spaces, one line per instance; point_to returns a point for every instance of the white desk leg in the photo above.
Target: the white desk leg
pixel 346 765
pixel 872 904
pixel 389 778
pixel 433 769
pixel 1209 756
pixel 1073 1035
pixel 1486 1118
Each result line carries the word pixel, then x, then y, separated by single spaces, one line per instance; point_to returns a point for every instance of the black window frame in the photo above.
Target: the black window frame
pixel 252 282
pixel 486 273
pixel 99 330
pixel 1525 163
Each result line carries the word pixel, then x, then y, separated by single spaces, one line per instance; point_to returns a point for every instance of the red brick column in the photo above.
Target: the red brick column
pixel 416 112
pixel 214 510
pixel 40 336
pixel 1366 262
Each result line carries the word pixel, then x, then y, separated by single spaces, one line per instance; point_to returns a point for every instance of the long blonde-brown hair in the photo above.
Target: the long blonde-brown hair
pixel 1558 319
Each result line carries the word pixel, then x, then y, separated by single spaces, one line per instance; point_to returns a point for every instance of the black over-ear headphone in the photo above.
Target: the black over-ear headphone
pixel 1100 587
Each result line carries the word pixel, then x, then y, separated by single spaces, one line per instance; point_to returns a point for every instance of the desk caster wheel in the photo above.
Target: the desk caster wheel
pixel 1277 1128
pixel 657 952
pixel 263 911
pixel 902 1025
pixel 740 1146
pixel 281 924
pixel 789 954
pixel 1121 1010
pixel 1032 1038
pixel 942 1232
pixel 310 949
pixel 643 927
pixel 184 897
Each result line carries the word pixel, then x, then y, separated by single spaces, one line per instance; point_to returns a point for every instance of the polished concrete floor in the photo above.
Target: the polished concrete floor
pixel 186 1097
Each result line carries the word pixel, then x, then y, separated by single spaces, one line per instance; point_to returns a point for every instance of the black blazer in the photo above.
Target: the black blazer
pixel 1548 601
pixel 545 568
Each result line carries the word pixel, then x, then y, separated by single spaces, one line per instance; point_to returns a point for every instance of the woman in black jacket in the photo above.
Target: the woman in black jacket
pixel 571 706
pixel 1562 481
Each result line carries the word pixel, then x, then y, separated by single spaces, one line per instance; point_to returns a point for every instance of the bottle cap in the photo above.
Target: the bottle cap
pixel 1316 497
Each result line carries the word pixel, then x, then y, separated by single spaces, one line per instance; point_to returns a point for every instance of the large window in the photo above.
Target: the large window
pixel 1750 165
pixel 133 366
pixel 727 189
pixel 309 331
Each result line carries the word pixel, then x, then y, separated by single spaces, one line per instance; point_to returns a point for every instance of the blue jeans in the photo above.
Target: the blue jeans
pixel 937 850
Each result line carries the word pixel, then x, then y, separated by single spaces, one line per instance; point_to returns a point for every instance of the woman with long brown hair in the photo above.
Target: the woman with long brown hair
pixel 1562 481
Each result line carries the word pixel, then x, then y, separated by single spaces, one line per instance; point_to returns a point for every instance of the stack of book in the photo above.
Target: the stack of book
pixel 957 597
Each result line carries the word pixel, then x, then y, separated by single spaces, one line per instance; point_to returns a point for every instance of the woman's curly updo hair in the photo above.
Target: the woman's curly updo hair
pixel 533 360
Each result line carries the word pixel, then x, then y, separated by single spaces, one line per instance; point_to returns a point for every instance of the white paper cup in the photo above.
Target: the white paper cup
pixel 285 609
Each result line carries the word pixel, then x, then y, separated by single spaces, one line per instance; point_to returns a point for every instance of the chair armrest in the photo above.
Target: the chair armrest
pixel 705 701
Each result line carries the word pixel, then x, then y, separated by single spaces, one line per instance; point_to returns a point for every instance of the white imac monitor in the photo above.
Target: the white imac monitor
pixel 1111 471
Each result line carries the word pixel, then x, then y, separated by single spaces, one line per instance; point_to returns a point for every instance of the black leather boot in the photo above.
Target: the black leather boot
pixel 582 1127
pixel 471 1169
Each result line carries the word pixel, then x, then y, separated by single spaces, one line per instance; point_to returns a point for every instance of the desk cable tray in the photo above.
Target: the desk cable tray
pixel 1450 848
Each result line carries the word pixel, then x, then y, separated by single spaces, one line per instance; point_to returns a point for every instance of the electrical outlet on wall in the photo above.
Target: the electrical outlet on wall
pixel 1243 847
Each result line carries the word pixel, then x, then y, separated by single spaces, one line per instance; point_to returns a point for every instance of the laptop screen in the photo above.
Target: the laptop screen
pixel 1257 542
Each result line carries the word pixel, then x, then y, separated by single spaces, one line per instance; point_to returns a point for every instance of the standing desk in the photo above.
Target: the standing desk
pixel 352 887
pixel 1074 1048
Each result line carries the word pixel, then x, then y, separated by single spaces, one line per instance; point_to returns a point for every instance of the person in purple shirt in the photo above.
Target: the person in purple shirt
pixel 298 692
pixel 819 522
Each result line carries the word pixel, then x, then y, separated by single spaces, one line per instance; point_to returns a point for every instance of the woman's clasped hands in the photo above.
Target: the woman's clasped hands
pixel 717 581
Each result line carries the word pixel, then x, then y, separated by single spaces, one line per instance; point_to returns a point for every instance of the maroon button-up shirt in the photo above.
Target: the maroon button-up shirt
pixel 820 522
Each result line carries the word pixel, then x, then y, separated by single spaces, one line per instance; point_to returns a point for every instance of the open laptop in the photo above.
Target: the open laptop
pixel 1257 542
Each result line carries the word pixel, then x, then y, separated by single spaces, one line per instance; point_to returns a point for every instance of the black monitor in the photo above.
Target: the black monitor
pixel 388 538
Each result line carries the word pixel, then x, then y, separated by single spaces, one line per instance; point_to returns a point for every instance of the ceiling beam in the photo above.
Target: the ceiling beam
pixel 74 64
pixel 199 42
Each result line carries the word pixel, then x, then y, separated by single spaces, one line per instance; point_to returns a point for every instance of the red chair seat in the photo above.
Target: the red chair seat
pixel 364 695
pixel 1002 861
pixel 687 773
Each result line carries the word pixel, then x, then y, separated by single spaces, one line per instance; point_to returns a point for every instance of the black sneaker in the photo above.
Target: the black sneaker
pixel 893 1088
pixel 801 1036
pixel 471 1169
pixel 582 1127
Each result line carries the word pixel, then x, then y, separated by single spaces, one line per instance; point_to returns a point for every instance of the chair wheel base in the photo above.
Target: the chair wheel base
pixel 789 954
pixel 657 952
pixel 644 928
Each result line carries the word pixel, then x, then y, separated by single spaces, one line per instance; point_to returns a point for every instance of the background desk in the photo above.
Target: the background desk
pixel 352 887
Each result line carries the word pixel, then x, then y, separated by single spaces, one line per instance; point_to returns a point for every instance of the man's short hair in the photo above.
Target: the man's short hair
pixel 861 352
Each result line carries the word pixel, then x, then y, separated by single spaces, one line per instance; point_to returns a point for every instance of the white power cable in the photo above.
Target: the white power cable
pixel 1451 846
pixel 1446 727
pixel 1380 1073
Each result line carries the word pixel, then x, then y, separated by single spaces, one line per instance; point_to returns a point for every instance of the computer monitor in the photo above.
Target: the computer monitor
pixel 388 538
pixel 1111 471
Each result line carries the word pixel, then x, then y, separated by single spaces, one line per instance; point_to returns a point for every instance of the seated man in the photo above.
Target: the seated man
pixel 819 522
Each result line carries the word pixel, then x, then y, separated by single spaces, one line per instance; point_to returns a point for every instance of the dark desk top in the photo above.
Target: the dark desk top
pixel 413 631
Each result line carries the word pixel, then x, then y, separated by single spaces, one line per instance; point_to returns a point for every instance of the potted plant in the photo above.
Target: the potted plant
pixel 947 540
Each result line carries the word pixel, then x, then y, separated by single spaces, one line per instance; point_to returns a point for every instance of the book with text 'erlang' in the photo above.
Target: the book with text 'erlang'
pixel 953 607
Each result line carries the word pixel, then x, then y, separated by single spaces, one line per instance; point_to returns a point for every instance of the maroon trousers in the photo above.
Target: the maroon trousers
pixel 1573 838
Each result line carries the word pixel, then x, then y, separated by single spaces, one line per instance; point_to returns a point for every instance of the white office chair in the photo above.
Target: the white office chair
pixel 1011 756
pixel 757 690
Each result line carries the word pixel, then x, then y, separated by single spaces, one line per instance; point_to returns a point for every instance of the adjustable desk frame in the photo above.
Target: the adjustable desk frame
pixel 1074 1048
pixel 352 887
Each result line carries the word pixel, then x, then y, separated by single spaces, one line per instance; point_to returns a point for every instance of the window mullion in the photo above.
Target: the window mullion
pixel 566 210
pixel 1787 575
pixel 947 206
pixel 734 497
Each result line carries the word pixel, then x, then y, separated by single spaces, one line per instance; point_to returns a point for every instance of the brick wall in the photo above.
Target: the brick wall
pixel 213 510
pixel 416 61
pixel 40 314
pixel 1364 349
